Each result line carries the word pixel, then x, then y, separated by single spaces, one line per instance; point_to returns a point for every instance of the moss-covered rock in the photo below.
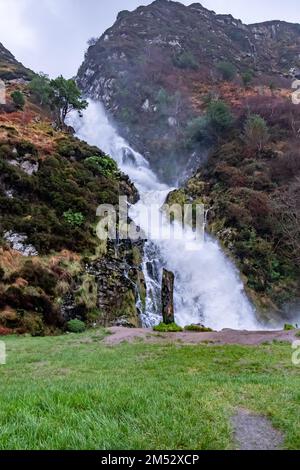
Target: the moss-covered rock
pixel 168 328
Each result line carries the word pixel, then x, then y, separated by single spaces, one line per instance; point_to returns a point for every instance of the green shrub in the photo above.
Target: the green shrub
pixel 18 99
pixel 197 129
pixel 198 328
pixel 41 89
pixel 75 219
pixel 206 128
pixel 170 328
pixel 227 70
pixel 256 132
pixel 220 116
pixel 288 327
pixel 185 60
pixel 105 166
pixel 247 78
pixel 163 98
pixel 76 326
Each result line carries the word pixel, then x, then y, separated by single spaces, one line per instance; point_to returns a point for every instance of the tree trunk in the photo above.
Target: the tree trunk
pixel 167 297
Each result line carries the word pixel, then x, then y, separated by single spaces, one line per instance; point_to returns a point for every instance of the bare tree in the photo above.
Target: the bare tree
pixel 286 214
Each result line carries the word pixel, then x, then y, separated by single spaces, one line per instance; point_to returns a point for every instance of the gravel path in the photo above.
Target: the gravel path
pixel 255 432
pixel 120 334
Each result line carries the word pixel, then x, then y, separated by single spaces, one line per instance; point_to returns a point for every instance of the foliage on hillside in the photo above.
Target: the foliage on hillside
pixel 251 186
pixel 51 184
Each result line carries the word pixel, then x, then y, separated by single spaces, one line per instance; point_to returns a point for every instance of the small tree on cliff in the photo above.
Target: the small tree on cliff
pixel 61 96
pixel 18 99
pixel 227 70
pixel 256 133
pixel 66 98
pixel 247 78
pixel 219 116
pixel 40 87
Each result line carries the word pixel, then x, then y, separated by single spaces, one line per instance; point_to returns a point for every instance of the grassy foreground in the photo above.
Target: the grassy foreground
pixel 73 392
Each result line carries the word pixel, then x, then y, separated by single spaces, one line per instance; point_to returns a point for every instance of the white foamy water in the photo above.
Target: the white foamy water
pixel 208 289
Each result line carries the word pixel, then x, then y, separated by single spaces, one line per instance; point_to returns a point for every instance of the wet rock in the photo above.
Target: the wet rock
pixel 167 297
pixel 119 286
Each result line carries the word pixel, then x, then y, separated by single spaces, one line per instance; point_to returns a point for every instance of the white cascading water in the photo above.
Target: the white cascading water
pixel 208 289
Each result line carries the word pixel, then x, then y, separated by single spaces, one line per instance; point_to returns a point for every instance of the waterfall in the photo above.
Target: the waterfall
pixel 208 288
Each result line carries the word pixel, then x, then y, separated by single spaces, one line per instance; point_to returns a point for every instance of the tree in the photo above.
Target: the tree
pixel 256 132
pixel 61 96
pixel 18 99
pixel 213 124
pixel 66 98
pixel 219 116
pixel 41 88
pixel 75 219
pixel 197 129
pixel 286 215
pixel 247 78
pixel 185 60
pixel 227 70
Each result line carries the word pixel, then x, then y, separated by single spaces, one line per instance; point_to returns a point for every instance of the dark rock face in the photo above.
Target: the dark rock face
pixel 10 68
pixel 144 69
pixel 120 284
pixel 167 297
pixel 114 284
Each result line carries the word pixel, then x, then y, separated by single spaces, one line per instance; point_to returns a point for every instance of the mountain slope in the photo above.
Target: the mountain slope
pixel 148 66
pixel 53 268
pixel 10 68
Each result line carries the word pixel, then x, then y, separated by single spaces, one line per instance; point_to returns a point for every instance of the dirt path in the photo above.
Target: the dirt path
pixel 255 432
pixel 119 335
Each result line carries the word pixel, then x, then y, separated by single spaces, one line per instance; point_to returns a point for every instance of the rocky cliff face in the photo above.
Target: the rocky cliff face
pixel 10 68
pixel 147 67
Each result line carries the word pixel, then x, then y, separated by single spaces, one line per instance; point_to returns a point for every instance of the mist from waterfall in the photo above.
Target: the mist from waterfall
pixel 208 289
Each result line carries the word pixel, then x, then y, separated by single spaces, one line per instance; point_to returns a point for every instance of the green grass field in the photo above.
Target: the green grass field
pixel 73 392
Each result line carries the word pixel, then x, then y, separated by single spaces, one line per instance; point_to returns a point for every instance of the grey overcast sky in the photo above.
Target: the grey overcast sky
pixel 51 35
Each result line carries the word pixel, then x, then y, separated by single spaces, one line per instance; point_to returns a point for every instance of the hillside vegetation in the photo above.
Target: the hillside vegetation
pixel 50 187
pixel 251 185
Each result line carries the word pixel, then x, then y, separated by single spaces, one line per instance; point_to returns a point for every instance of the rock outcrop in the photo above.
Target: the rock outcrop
pixel 10 68
pixel 167 297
